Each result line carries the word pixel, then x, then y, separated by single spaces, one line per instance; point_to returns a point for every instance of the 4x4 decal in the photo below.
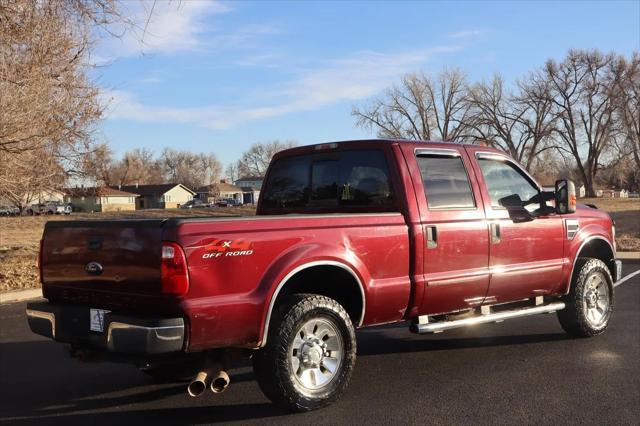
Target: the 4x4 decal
pixel 219 248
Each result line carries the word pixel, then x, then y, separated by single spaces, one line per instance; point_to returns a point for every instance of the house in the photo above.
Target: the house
pixel 250 195
pixel 615 193
pixel 100 199
pixel 251 187
pixel 162 196
pixel 581 191
pixel 249 182
pixel 219 191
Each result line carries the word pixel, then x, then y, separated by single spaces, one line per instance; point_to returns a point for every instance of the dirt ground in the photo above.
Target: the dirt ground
pixel 19 236
pixel 626 213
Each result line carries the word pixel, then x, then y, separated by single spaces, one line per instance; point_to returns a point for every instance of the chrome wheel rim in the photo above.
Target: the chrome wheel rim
pixel 596 301
pixel 315 355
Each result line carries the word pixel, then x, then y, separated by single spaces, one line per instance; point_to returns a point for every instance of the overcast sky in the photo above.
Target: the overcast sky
pixel 219 76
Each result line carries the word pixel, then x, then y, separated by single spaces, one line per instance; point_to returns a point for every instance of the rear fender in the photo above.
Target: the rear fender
pixel 298 259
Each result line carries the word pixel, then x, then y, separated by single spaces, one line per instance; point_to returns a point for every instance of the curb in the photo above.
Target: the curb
pixel 628 255
pixel 20 296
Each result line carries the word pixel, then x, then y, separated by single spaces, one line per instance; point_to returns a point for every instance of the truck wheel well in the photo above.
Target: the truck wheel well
pixel 599 248
pixel 331 281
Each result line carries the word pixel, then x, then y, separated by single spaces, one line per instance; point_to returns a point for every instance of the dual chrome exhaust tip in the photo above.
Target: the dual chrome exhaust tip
pixel 216 379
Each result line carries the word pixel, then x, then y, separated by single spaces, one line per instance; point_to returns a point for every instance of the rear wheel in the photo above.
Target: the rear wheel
pixel 590 302
pixel 310 353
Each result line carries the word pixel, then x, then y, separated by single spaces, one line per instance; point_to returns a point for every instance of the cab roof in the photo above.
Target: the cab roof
pixel 373 143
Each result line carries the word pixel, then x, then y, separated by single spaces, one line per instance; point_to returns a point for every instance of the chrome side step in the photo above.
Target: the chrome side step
pixel 423 326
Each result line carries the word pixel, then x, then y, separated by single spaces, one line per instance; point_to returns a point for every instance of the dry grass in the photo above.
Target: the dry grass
pixel 19 236
pixel 626 213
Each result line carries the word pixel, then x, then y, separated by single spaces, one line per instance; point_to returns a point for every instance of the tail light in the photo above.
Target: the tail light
pixel 39 262
pixel 174 272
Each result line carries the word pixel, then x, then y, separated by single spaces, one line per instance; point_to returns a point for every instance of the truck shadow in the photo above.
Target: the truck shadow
pixel 162 416
pixel 372 343
pixel 41 385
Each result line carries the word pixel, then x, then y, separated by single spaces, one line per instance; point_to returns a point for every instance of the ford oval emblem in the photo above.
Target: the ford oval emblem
pixel 93 268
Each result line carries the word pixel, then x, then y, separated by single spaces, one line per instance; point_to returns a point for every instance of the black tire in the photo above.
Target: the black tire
pixel 273 368
pixel 575 318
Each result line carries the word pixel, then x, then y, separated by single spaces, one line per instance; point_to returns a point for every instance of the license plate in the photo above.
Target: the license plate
pixel 96 317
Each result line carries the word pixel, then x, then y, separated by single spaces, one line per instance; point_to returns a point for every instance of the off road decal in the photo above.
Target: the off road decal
pixel 227 248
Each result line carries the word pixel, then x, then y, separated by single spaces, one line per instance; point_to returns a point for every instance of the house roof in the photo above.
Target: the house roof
pixel 153 189
pixel 249 179
pixel 222 187
pixel 103 191
pixel 227 187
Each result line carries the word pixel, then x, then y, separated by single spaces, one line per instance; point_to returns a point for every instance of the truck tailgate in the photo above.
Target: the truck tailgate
pixel 105 263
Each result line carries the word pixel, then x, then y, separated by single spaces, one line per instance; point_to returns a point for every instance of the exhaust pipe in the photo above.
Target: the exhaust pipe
pixel 220 382
pixel 198 385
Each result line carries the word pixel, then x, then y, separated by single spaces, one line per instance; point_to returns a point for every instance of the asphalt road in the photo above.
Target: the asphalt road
pixel 520 371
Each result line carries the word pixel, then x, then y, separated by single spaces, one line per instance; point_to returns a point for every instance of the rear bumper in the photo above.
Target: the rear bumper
pixel 125 335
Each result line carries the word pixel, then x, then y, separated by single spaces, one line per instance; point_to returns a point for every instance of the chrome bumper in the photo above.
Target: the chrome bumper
pixel 618 276
pixel 122 334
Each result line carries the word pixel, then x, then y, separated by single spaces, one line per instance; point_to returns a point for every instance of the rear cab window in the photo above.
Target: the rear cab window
pixel 340 181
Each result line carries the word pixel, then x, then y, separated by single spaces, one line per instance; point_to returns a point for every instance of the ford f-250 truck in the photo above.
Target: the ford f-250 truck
pixel 346 235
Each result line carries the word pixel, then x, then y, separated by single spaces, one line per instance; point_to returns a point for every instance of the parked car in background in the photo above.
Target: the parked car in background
pixel 50 207
pixel 233 202
pixel 195 204
pixel 228 202
pixel 9 211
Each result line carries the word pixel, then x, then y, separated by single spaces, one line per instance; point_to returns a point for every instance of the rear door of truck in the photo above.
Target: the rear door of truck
pixel 456 238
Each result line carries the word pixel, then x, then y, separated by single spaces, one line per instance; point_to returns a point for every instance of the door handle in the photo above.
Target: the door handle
pixel 495 232
pixel 432 236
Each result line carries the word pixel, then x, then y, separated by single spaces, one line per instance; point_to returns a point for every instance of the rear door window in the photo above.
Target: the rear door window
pixel 445 181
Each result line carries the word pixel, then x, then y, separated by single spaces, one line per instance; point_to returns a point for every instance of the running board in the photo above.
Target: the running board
pixel 438 327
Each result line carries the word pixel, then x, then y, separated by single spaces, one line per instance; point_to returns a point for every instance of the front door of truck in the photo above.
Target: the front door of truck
pixel 456 249
pixel 526 258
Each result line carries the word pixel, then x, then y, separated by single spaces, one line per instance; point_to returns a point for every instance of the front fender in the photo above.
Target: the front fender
pixel 586 235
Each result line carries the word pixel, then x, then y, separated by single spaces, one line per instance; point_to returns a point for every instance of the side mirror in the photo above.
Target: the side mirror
pixel 517 212
pixel 566 201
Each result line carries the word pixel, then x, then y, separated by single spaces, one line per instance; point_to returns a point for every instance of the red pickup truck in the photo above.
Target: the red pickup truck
pixel 346 235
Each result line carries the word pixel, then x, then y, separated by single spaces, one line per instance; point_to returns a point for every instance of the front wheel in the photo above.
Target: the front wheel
pixel 589 304
pixel 310 353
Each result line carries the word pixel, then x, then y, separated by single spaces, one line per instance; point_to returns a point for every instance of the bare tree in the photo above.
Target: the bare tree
pixel 24 177
pixel 583 96
pixel 628 105
pixel 255 160
pixel 48 105
pixel 136 166
pixel 190 169
pixel 98 165
pixel 231 172
pixel 420 108
pixel 519 123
